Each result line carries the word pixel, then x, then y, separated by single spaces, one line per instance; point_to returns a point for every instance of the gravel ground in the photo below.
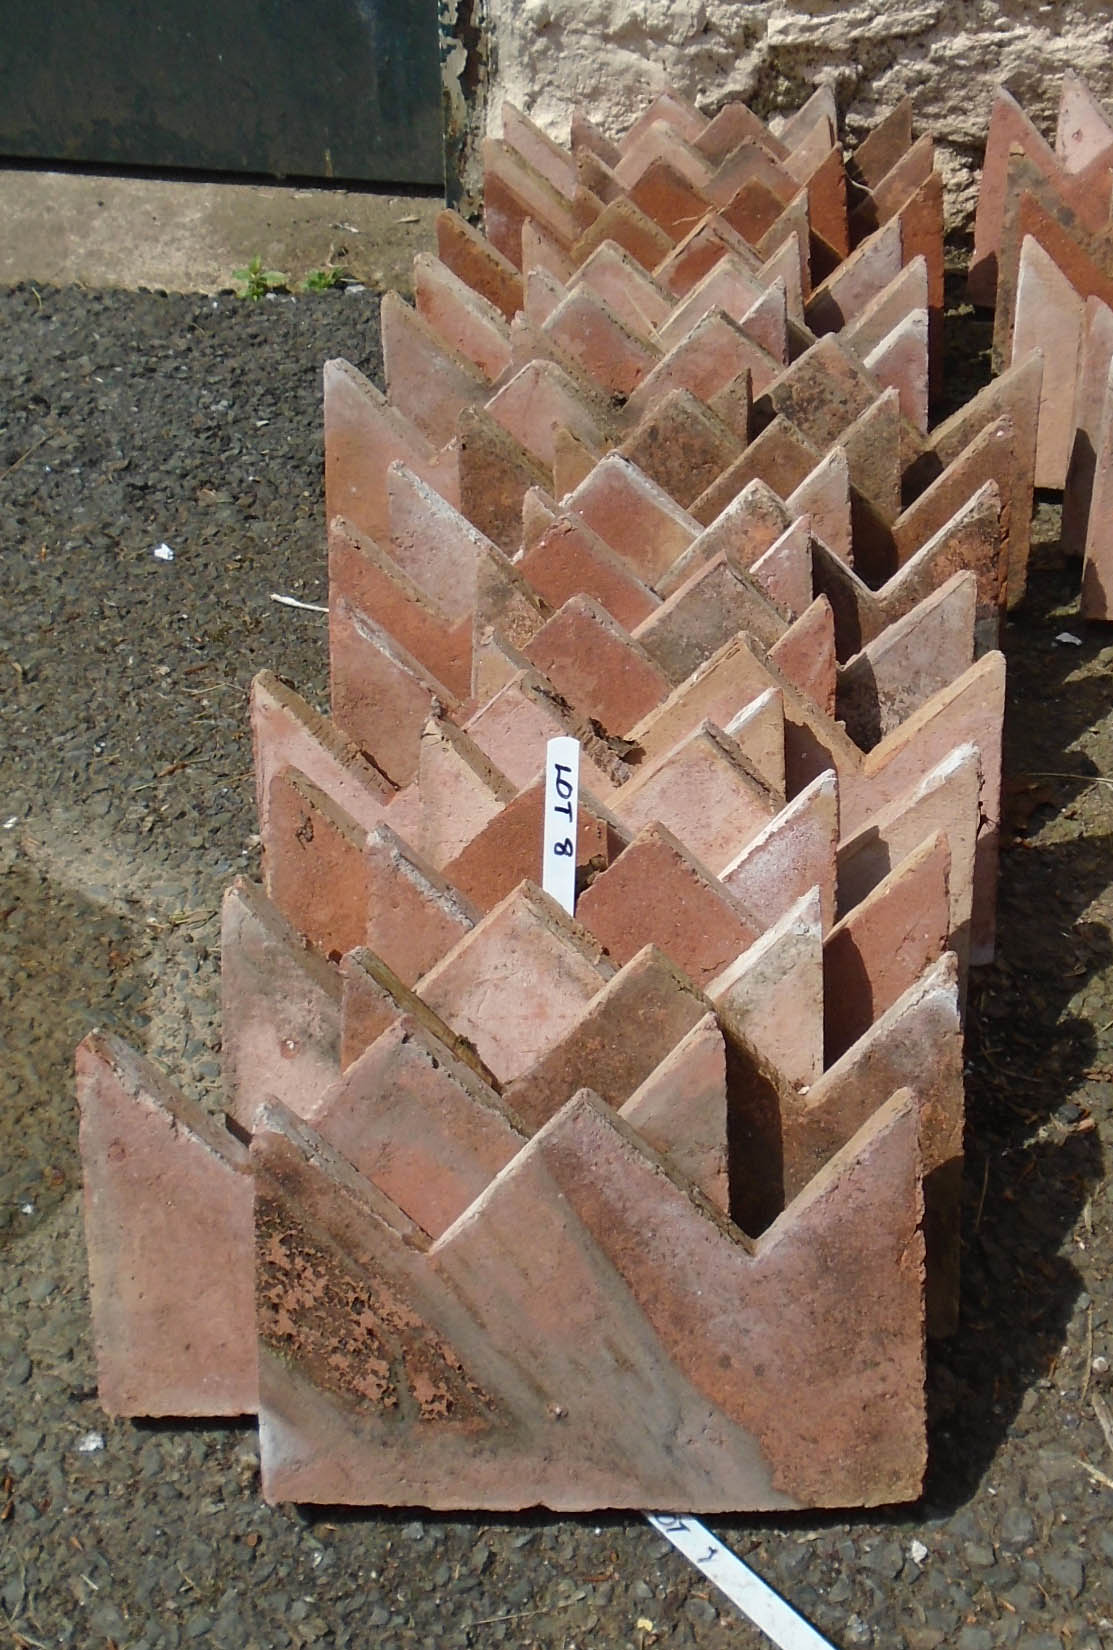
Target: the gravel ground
pixel 132 420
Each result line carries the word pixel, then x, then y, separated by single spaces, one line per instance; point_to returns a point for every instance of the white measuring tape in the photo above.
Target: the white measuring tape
pixel 746 1591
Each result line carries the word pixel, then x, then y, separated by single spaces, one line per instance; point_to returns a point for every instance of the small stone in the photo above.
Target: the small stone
pixel 1067 1573
pixel 19 1370
pixel 1017 1527
pixel 979 1554
pixel 700 1609
pixel 858 1631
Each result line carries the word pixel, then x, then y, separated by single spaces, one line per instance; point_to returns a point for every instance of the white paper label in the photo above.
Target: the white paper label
pixel 754 1597
pixel 562 799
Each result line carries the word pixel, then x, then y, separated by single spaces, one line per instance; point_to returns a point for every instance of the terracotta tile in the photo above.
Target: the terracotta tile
pixel 759 730
pixel 426 381
pixel 821 392
pixel 1097 567
pixel 1083 132
pixel 824 496
pixel 681 445
pixel 917 1043
pixel 992 455
pixel 734 124
pixel 805 654
pixel 784 266
pixel 508 849
pixel 921 230
pixel 773 993
pixel 793 230
pixel 907 291
pixel 460 792
pixel 746 526
pixel 280 1008
pixel 1050 316
pixel 470 255
pixel 734 406
pixel 543 293
pixel 944 800
pixel 818 164
pixel 585 325
pixel 363 437
pixel 168 1205
pixel 554 163
pixel 728 285
pixel 1016 396
pixel 703 613
pixel 367 578
pixel 373 999
pixel 313 865
pixel 576 1187
pixel 287 732
pixel 794 853
pixel 713 355
pixel 1009 129
pixel 883 146
pixel 882 946
pixel 778 456
pixel 529 958
pixel 597 666
pixel 573 461
pixel 890 192
pixel 633 1024
pixel 536 402
pixel 671 109
pixel 514 727
pixel 784 571
pixel 691 917
pixel 681 1111
pixel 632 293
pixel 543 251
pixel 669 199
pixel 686 264
pixel 569 558
pixel 636 517
pixel 749 161
pixel 381 696
pixel 467 322
pixel 1089 399
pixel 729 681
pixel 418 1124
pixel 433 543
pixel 872 447
pixel 860 278
pixel 586 135
pixel 753 210
pixel 506 605
pixel 901 361
pixel 625 224
pixel 512 192
pixel 704 791
pixel 597 178
pixel 496 472
pixel 819 109
pixel 915 656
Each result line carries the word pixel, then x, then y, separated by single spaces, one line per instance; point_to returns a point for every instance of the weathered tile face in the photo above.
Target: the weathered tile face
pixel 705 792
pixel 702 614
pixel 433 544
pixel 794 853
pixel 682 446
pixel 805 654
pixel 597 666
pixel 884 944
pixel 381 696
pixel 418 1124
pixel 626 1031
pixel 495 474
pixel 1089 400
pixel 773 992
pixel 326 1431
pixel 280 1007
pixel 469 255
pixel 753 518
pixel 699 926
pixel 569 559
pixel 517 983
pixel 539 400
pixel 373 999
pixel 168 1214
pixel 466 320
pixel 616 357
pixel 413 915
pixel 681 1111
pixel 1050 316
pixel 287 732
pixel 1097 568
pixel 313 865
pixel 427 380
pixel 638 519
pixel 458 792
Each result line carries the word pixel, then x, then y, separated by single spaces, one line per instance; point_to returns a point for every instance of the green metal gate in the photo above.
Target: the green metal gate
pixel 347 89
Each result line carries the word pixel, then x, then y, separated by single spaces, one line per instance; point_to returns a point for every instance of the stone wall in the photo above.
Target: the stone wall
pixel 948 56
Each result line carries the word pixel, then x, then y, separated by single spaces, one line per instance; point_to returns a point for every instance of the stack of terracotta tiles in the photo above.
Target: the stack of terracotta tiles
pixel 648 1206
pixel 1043 255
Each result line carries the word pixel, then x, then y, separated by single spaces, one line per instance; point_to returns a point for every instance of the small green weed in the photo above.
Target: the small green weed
pixel 256 281
pixel 323 280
